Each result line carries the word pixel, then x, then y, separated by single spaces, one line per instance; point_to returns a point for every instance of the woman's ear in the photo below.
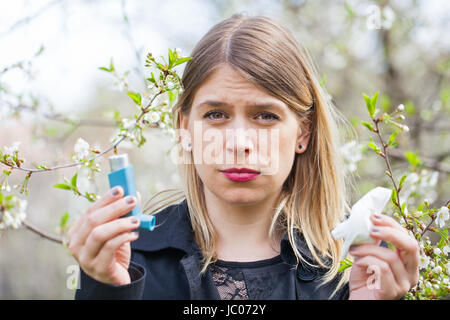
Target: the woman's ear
pixel 303 138
pixel 186 141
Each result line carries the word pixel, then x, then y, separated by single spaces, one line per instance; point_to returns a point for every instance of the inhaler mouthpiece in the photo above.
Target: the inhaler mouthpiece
pixel 118 162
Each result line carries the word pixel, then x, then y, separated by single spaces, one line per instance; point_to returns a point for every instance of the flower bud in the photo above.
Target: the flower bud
pixel 401 107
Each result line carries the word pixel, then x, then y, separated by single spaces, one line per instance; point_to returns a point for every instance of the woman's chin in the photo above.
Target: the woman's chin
pixel 242 197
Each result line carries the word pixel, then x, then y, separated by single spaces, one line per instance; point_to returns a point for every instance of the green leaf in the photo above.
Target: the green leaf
pixel 64 219
pixel 392 137
pixel 373 146
pixel 402 180
pixel 323 79
pixel 182 60
pixel 67 181
pixel 373 101
pixel 105 69
pixel 368 125
pixel 172 96
pixel 152 79
pixel 74 180
pixel 62 186
pixel 171 58
pixel 412 158
pixel 349 10
pixel 142 141
pixel 136 97
pixel 111 66
pixel 369 105
pixel 444 236
pixel 345 264
pixel 394 196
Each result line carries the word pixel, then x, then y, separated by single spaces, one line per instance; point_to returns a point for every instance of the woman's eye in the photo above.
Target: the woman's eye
pixel 268 116
pixel 217 115
pixel 213 115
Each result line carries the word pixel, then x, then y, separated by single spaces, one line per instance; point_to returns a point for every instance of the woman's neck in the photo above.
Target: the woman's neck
pixel 242 229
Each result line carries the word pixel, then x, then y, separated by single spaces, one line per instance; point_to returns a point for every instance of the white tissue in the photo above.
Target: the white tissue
pixel 356 229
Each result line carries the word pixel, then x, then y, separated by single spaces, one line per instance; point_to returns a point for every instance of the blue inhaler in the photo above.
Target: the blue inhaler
pixel 122 175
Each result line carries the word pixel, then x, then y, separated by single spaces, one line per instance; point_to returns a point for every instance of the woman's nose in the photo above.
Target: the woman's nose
pixel 240 141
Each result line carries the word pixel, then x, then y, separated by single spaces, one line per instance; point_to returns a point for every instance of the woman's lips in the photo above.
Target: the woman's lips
pixel 240 176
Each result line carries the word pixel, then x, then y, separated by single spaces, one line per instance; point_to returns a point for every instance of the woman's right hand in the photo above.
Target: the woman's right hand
pixel 101 243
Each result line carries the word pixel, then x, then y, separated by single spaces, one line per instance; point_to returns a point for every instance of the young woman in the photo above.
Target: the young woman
pixel 259 206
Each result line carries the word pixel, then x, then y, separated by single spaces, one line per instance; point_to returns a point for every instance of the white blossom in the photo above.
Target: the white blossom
pixel 5 187
pixel 170 85
pixel 351 153
pixel 13 148
pixel 166 119
pixel 166 108
pixel 152 117
pixel 437 269
pixel 14 217
pixel 446 249
pixel 409 186
pixel 424 261
pixel 437 251
pixel 388 17
pixel 128 124
pixel 442 216
pixel 81 149
pixel 401 107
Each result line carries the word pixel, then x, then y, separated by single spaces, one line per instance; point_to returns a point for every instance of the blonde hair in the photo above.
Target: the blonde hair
pixel 313 198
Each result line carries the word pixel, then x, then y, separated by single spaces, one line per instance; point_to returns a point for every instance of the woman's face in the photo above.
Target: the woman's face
pixel 234 124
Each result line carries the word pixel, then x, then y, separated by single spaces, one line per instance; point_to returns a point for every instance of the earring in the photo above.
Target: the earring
pixel 186 145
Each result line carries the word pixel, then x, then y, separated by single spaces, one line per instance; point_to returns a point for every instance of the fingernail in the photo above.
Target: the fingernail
pixel 377 216
pixel 135 233
pixel 115 191
pixel 134 220
pixel 375 230
pixel 130 199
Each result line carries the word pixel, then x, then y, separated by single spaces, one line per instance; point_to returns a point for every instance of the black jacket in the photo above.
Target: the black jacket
pixel 166 263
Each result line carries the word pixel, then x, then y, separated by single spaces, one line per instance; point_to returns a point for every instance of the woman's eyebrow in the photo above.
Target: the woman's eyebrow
pixel 213 103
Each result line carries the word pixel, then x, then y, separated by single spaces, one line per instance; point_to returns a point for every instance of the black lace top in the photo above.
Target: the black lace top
pixel 251 280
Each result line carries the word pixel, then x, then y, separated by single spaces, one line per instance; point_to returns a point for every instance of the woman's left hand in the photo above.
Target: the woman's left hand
pixel 379 273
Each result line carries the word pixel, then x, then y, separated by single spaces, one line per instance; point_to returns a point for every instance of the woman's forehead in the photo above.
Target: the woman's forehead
pixel 226 87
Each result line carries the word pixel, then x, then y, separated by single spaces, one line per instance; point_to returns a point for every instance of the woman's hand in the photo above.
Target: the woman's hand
pixel 101 243
pixel 379 273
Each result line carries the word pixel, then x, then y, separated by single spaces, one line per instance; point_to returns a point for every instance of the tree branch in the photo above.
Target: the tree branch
pixel 42 233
